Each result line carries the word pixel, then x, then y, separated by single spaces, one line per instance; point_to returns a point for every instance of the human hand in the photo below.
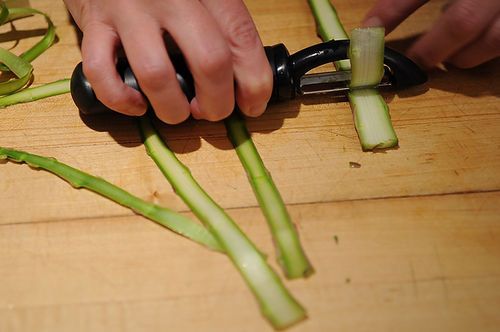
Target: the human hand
pixel 466 34
pixel 218 39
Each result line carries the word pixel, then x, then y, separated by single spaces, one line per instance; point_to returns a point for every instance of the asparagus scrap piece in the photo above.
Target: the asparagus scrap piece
pixel 79 179
pixel 276 303
pixel 290 254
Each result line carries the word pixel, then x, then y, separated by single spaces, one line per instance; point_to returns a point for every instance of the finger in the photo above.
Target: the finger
pixel 462 22
pixel 389 13
pixel 480 51
pixel 143 42
pixel 208 57
pixel 252 72
pixel 99 46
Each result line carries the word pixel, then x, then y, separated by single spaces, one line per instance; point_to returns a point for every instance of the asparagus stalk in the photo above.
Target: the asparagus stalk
pixel 276 303
pixel 379 134
pixel 290 254
pixel 328 26
pixel 371 114
pixel 35 93
pixel 79 179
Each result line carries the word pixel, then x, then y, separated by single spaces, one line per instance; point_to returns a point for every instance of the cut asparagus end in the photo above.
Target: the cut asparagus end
pixel 366 53
pixel 372 120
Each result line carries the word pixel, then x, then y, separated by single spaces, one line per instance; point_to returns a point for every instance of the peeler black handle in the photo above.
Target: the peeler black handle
pixel 287 71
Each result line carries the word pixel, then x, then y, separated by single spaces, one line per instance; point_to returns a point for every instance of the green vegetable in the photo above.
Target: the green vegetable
pixel 290 254
pixel 46 41
pixel 366 53
pixel 78 179
pixel 372 119
pixel 276 303
pixel 329 27
pixel 20 65
pixel 371 114
pixel 31 94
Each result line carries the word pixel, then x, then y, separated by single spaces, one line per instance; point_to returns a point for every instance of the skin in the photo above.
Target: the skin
pixel 466 35
pixel 217 38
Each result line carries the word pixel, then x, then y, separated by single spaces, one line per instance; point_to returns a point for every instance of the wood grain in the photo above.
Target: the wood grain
pixel 408 242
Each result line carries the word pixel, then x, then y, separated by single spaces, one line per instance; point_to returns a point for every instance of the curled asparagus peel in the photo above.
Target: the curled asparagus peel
pixel 276 303
pixel 79 179
pixel 290 254
pixel 20 66
pixel 370 111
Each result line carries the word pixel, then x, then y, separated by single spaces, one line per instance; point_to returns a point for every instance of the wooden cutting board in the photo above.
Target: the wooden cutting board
pixel 410 241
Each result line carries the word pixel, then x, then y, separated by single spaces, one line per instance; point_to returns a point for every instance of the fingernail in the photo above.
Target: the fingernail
pixel 256 111
pixel 195 109
pixel 372 21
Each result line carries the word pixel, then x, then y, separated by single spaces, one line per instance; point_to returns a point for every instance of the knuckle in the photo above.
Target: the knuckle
pixel 151 76
pixel 215 62
pixel 114 100
pixel 242 33
pixel 254 93
pixel 252 97
pixel 464 21
pixel 93 68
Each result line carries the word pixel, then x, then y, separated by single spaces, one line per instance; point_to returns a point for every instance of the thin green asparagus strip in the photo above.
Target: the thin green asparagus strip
pixel 290 254
pixel 47 40
pixel 276 303
pixel 35 93
pixel 328 22
pixel 79 179
pixel 20 65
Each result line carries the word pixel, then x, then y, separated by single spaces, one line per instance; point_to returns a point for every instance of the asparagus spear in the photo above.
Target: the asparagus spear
pixel 35 93
pixel 290 254
pixel 79 179
pixel 276 303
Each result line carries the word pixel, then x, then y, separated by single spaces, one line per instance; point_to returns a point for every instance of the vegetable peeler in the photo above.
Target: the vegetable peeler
pixel 290 78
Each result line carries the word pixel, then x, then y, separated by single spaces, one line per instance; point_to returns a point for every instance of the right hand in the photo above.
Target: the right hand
pixel 217 38
pixel 466 34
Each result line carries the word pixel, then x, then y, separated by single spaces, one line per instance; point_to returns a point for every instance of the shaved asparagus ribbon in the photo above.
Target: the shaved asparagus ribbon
pixel 370 111
pixel 20 66
pixel 79 179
